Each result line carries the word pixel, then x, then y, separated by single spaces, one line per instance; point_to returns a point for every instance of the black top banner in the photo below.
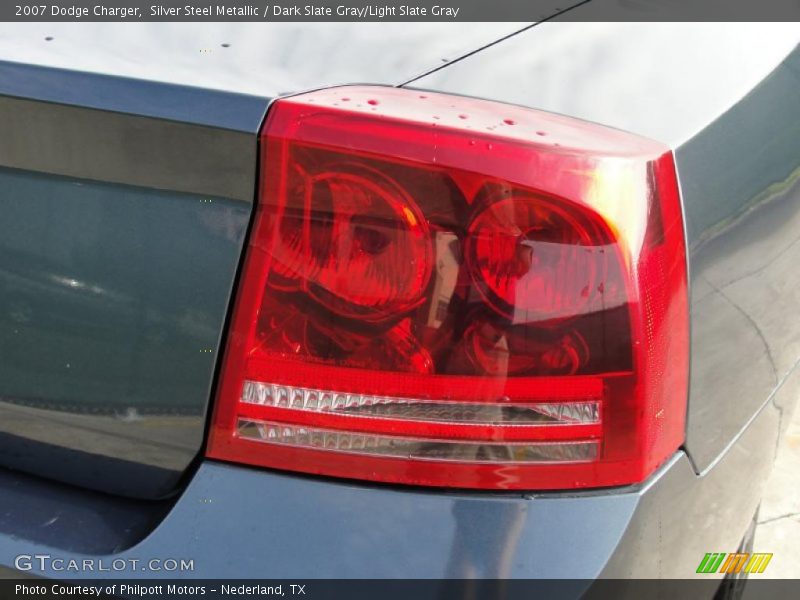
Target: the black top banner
pixel 408 10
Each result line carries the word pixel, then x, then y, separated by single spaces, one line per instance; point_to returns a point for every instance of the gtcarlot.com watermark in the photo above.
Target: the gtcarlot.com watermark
pixel 47 562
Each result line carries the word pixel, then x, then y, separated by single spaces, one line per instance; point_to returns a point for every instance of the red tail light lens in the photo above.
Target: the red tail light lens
pixel 454 292
pixel 352 239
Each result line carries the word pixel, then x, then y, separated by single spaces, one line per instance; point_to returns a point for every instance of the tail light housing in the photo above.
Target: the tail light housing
pixel 452 292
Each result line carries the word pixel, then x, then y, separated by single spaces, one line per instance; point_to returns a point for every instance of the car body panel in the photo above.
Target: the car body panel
pixel 113 300
pixel 120 237
pixel 134 132
pixel 742 204
pixel 262 59
pixel 47 513
pixel 665 81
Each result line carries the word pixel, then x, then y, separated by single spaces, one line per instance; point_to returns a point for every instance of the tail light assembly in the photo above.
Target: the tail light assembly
pixel 444 291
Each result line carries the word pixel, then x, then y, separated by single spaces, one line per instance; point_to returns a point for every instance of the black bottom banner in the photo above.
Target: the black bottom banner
pixel 366 589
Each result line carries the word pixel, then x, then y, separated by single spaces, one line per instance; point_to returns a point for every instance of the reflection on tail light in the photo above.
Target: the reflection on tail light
pixel 453 292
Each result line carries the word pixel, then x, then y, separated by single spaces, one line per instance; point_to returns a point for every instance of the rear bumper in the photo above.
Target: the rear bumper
pixel 237 522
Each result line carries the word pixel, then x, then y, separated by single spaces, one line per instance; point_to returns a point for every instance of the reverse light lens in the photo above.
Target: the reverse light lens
pixel 382 407
pixel 452 292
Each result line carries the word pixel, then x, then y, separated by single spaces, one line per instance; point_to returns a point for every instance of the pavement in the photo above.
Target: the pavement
pixel 778 529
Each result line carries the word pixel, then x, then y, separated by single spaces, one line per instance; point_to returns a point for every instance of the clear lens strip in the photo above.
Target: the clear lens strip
pixel 299 436
pixel 474 413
